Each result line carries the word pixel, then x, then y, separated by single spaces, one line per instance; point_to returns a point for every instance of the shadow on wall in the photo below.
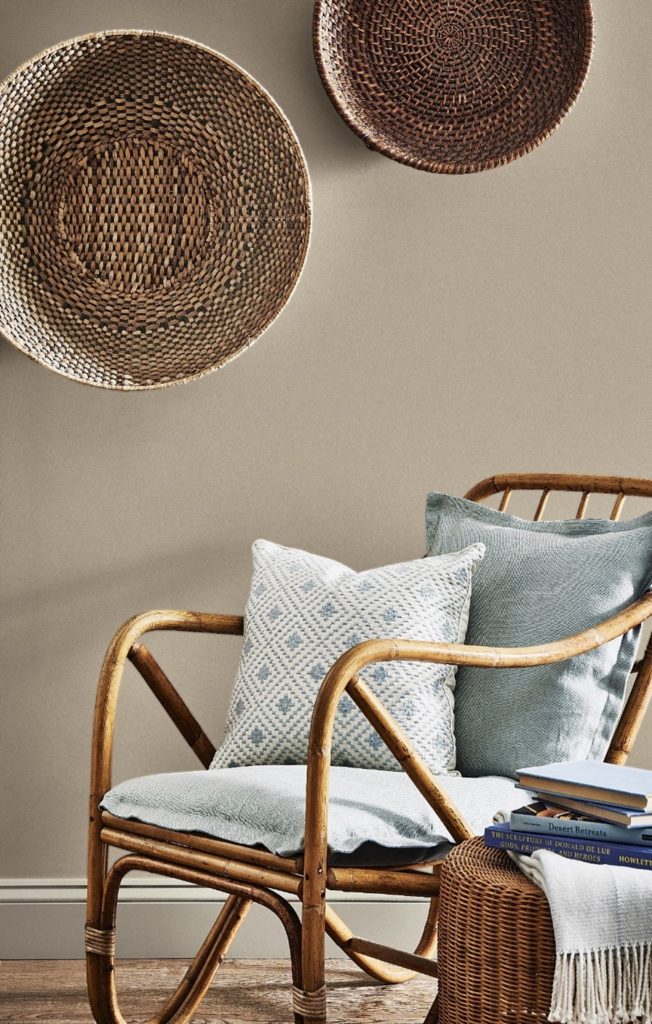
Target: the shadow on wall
pixel 330 143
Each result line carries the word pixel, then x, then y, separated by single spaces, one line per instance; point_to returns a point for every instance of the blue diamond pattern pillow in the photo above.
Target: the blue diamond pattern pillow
pixel 303 612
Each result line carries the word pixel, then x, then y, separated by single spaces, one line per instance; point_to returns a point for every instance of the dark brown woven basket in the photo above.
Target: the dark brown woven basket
pixel 453 85
pixel 154 209
pixel 496 948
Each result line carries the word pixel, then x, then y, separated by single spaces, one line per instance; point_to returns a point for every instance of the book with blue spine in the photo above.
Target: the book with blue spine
pixel 542 818
pixel 503 837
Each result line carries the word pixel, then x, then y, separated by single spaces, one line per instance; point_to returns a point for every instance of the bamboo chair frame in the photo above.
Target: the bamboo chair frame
pixel 247 875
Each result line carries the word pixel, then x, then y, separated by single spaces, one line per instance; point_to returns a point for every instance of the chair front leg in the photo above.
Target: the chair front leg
pixel 179 1008
pixel 311 1003
pixel 343 675
pixel 101 974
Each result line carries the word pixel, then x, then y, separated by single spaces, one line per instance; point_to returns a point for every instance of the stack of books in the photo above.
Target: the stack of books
pixel 585 810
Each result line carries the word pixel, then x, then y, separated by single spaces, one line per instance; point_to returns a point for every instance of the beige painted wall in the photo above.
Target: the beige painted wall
pixel 444 329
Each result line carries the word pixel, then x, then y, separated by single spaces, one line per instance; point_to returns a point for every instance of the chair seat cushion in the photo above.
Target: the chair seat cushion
pixel 376 818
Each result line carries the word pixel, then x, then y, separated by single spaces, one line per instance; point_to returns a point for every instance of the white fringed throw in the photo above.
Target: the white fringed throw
pixel 602 919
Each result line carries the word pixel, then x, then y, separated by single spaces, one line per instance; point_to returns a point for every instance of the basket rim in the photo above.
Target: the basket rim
pixel 6 332
pixel 402 155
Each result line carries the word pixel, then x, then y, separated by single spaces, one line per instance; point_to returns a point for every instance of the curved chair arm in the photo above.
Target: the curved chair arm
pixel 343 675
pixel 123 646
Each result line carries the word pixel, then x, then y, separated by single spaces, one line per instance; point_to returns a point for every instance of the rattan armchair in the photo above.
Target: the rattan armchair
pixel 249 875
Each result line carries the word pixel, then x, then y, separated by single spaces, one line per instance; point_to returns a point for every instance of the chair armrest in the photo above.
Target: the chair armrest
pixel 343 675
pixel 125 645
pixel 493 657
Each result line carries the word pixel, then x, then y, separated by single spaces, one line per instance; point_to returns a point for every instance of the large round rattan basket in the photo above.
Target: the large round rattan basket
pixel 453 85
pixel 154 209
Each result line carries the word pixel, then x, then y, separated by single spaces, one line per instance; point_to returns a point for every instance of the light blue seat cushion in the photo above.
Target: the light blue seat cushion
pixel 541 582
pixel 378 814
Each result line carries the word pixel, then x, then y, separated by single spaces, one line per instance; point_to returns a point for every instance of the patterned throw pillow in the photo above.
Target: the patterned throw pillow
pixel 303 612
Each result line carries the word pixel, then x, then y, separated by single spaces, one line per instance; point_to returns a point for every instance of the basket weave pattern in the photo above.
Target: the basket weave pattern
pixel 496 949
pixel 155 209
pixel 453 85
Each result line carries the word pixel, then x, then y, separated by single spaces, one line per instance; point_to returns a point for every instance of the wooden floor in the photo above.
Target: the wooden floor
pixel 244 992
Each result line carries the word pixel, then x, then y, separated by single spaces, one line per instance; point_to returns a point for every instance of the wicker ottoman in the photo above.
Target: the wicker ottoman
pixel 496 944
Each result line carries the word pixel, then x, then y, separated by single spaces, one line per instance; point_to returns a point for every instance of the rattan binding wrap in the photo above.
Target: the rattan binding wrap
pixel 496 950
pixel 309 1005
pixel 100 941
pixel 154 209
pixel 453 85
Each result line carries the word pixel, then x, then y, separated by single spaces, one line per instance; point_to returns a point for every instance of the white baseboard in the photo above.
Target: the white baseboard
pixel 157 917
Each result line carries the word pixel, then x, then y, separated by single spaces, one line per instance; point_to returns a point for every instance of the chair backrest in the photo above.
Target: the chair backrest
pixel 506 484
pixel 622 487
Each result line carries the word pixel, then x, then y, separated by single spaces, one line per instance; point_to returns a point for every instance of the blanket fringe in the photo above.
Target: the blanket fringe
pixel 603 986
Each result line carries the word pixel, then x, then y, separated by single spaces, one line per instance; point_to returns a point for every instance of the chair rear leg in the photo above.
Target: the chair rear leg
pixel 209 958
pixel 388 974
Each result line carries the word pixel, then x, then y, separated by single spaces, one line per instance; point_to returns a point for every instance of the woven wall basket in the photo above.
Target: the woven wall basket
pixel 154 209
pixel 453 85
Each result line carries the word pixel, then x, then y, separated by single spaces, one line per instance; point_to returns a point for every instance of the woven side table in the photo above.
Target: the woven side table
pixel 496 949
